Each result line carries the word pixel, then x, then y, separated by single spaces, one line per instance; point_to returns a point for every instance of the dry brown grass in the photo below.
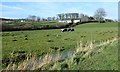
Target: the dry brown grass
pixel 88 48
pixel 34 63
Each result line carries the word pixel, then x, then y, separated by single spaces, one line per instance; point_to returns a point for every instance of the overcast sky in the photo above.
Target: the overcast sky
pixel 46 9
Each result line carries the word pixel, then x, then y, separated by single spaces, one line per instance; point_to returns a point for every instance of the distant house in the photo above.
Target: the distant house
pixel 65 21
pixel 109 20
pixel 22 21
pixel 68 21
pixel 75 21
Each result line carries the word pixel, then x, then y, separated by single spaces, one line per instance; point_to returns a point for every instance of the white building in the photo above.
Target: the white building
pixel 22 21
pixel 75 21
pixel 69 21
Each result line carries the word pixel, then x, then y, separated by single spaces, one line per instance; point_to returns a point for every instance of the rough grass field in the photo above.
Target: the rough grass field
pixel 43 42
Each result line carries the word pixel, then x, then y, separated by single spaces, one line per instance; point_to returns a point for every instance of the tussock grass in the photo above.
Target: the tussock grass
pixel 35 63
pixel 95 43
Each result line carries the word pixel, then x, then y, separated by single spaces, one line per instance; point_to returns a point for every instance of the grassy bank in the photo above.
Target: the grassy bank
pixel 42 42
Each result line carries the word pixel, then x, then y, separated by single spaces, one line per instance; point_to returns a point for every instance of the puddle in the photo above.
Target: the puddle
pixel 57 56
pixel 67 54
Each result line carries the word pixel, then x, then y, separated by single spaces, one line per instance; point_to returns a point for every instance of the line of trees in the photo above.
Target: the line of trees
pixel 37 18
pixel 99 15
pixel 66 16
pixel 63 16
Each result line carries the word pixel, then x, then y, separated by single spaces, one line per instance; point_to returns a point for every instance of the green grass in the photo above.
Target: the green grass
pixel 107 59
pixel 38 42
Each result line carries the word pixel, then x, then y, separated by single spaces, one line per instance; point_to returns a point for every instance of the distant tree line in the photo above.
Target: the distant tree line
pixel 99 15
pixel 66 16
pixel 33 22
pixel 37 18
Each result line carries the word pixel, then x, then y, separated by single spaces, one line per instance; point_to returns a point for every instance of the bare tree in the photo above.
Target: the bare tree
pixel 49 18
pixel 38 18
pixel 53 18
pixel 77 15
pixel 100 14
pixel 63 16
pixel 59 16
pixel 67 16
pixel 32 17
